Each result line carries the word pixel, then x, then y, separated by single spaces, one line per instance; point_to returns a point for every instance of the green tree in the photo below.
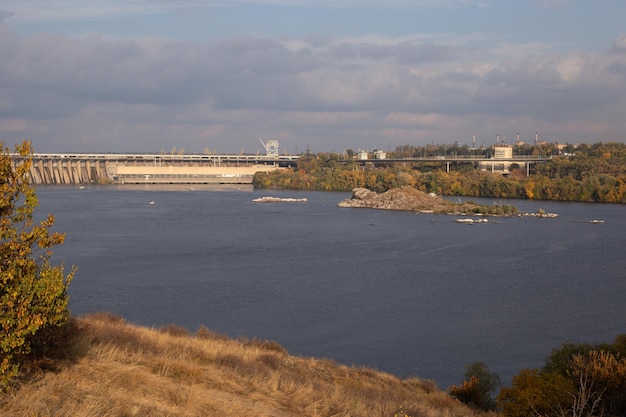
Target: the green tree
pixel 33 292
pixel 478 387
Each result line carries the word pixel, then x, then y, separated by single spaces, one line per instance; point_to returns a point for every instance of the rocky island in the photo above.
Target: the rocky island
pixel 411 199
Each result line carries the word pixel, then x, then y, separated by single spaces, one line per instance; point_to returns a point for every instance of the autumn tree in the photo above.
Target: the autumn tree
pixel 578 380
pixel 33 292
pixel 600 380
pixel 478 387
pixel 589 173
pixel 535 393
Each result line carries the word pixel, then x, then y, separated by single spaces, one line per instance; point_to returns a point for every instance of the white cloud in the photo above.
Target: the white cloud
pixel 619 45
pixel 99 94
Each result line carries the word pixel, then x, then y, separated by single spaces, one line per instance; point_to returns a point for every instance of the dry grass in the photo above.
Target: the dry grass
pixel 128 370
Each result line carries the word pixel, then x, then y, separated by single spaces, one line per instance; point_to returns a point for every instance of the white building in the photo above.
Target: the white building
pixel 501 161
pixel 503 152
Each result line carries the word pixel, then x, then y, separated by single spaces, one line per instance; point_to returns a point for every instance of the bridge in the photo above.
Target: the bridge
pixel 78 168
pixel 122 168
pixel 494 164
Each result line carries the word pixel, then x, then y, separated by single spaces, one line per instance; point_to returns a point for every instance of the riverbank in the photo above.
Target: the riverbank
pixel 120 369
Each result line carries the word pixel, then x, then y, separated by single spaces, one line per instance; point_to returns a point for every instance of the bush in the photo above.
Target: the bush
pixel 536 393
pixel 577 380
pixel 64 342
pixel 478 387
pixel 33 292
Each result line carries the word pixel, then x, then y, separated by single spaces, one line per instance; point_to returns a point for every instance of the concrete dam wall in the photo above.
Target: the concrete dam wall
pixel 51 171
pixel 187 175
pixel 150 169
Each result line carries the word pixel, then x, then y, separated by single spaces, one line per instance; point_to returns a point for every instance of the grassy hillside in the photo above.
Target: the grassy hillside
pixel 126 370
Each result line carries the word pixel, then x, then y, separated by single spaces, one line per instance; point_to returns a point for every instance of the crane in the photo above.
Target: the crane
pixel 271 147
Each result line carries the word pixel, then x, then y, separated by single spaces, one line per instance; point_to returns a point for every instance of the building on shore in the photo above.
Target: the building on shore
pixel 502 160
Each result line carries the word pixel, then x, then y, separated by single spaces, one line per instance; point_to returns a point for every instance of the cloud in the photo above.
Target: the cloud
pixel 94 93
pixel 5 14
pixel 406 52
pixel 544 86
pixel 619 45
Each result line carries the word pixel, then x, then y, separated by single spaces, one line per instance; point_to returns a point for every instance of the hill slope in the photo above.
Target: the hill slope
pixel 127 370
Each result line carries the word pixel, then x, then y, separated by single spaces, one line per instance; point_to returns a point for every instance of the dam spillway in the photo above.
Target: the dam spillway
pixel 150 168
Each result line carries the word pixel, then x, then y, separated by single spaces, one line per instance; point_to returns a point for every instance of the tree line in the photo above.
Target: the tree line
pixel 587 173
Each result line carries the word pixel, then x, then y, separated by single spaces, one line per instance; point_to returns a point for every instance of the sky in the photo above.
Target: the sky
pixel 326 76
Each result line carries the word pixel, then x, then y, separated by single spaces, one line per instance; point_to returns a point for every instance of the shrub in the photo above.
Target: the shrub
pixel 536 393
pixel 577 380
pixel 66 341
pixel 33 292
pixel 478 387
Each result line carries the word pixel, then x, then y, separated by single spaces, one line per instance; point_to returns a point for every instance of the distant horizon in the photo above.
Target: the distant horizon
pixel 304 152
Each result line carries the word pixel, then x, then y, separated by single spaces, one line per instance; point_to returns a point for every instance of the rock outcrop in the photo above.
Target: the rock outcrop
pixel 410 199
pixel 405 198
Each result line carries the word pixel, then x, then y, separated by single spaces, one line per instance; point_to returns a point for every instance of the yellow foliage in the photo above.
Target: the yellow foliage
pixel 33 292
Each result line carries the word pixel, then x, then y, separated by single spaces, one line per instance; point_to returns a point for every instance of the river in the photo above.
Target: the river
pixel 413 295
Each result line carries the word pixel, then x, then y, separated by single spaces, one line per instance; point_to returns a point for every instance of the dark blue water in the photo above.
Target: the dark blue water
pixel 413 295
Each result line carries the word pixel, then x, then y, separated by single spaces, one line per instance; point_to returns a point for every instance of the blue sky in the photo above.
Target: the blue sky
pixel 146 76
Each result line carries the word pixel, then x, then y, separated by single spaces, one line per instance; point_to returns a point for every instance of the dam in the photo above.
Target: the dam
pixel 83 168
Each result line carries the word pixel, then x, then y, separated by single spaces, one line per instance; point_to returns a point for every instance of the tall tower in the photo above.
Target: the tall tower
pixel 536 138
pixel 517 138
pixel 473 141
